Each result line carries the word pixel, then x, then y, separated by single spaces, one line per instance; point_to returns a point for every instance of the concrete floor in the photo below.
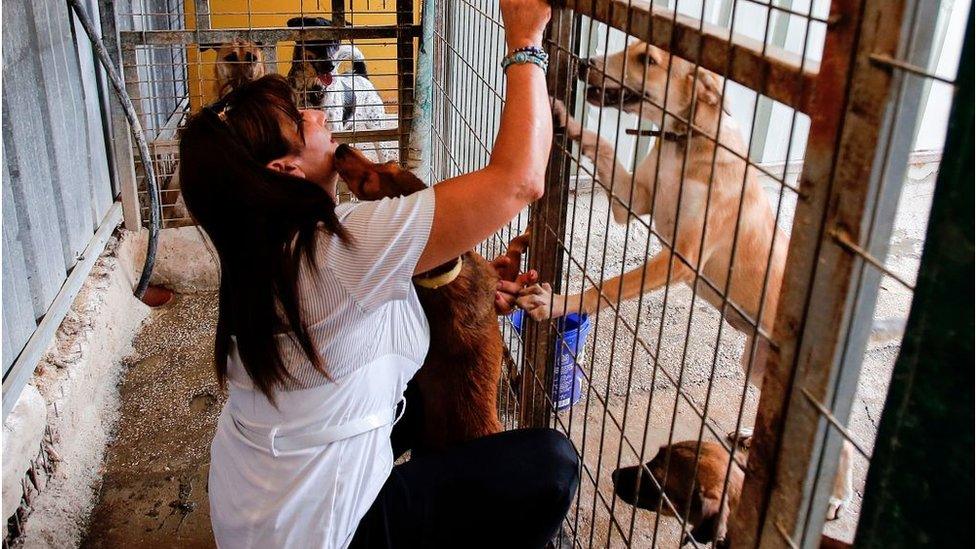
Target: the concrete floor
pixel 154 488
pixel 154 484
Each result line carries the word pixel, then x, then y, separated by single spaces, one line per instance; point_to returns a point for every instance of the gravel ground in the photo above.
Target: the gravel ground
pixel 154 480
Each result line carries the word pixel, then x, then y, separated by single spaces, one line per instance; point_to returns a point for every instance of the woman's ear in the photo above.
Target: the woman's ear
pixel 286 165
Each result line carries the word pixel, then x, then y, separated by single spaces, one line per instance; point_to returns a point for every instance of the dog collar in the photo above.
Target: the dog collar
pixel 674 137
pixel 434 282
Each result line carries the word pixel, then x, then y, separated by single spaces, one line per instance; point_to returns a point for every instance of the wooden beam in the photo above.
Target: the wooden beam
pixel 767 69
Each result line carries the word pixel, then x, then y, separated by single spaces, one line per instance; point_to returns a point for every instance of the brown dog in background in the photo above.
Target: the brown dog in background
pixel 459 379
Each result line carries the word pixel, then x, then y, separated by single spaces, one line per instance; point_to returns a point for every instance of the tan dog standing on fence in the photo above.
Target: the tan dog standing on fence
pixel 705 201
pixel 711 179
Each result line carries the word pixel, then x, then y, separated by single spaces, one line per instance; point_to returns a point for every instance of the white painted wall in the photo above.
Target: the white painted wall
pixel 953 15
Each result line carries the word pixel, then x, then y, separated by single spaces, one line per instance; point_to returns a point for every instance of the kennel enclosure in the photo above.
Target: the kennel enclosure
pixel 830 96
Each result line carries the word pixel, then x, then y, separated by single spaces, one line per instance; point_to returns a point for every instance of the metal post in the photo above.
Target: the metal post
pixel 405 81
pixel 338 13
pixel 202 11
pixel 921 474
pixel 123 162
pixel 548 222
pixel 847 105
pixel 420 136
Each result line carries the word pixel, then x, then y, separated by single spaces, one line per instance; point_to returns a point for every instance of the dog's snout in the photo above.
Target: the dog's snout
pixel 584 69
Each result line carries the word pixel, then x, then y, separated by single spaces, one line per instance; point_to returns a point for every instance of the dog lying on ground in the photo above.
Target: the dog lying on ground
pixel 350 99
pixel 459 379
pixel 694 492
pixel 700 196
pixel 697 494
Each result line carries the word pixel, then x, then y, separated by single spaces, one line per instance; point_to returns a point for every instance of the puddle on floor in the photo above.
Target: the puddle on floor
pixel 154 487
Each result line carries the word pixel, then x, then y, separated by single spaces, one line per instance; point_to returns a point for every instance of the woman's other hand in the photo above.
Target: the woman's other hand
pixel 525 22
pixel 507 291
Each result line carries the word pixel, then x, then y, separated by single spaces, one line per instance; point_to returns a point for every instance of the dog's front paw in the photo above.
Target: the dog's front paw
pixel 834 508
pixel 742 439
pixel 559 115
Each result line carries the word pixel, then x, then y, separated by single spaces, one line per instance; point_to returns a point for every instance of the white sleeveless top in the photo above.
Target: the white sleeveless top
pixel 367 325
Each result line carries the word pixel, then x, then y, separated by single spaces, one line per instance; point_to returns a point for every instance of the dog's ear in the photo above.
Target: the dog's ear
pixel 210 46
pixel 309 22
pixel 707 86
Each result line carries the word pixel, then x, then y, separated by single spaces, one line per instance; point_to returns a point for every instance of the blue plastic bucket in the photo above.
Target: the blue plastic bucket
pixel 567 380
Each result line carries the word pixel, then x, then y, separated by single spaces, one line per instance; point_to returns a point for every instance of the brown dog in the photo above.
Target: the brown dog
pixel 237 63
pixel 695 493
pixel 459 378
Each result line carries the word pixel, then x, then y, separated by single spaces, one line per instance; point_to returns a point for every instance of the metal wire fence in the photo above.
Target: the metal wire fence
pixel 173 53
pixel 707 144
pixel 722 196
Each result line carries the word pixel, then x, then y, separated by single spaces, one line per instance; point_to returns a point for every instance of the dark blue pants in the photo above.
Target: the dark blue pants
pixel 508 490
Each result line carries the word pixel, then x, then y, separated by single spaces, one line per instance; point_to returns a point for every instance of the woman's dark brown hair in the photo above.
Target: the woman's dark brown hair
pixel 261 222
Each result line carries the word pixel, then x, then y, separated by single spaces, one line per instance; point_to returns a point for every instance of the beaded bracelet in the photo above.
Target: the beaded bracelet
pixel 528 54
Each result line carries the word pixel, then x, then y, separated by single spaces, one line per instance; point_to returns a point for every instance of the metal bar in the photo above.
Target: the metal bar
pixel 202 14
pixel 272 35
pixel 23 367
pixel 767 69
pixel 917 491
pixel 122 160
pixel 548 214
pixel 420 140
pixel 847 105
pixel 406 32
pixel 909 67
pixel 338 13
pixel 366 136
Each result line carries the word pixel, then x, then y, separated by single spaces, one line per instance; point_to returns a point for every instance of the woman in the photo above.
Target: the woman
pixel 320 329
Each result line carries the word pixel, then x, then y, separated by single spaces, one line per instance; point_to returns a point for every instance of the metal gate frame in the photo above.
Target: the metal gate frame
pixel 122 47
pixel 821 327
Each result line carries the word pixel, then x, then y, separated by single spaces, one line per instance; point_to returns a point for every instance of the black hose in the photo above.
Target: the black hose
pixel 155 210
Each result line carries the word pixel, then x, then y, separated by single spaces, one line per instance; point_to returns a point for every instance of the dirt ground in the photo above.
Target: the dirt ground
pixel 154 485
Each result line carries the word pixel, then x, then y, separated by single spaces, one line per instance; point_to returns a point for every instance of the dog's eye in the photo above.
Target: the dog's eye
pixel 646 59
pixel 232 58
pixel 249 57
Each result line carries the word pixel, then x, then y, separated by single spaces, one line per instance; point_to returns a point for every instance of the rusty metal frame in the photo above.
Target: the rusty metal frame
pixel 406 31
pixel 122 159
pixel 548 222
pixel 847 105
pixel 767 69
pixel 188 37
pixel 403 34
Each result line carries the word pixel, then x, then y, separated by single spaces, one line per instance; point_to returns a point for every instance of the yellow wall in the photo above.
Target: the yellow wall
pixel 242 14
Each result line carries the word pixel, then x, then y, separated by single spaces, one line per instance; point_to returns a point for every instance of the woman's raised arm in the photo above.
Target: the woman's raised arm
pixel 469 208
